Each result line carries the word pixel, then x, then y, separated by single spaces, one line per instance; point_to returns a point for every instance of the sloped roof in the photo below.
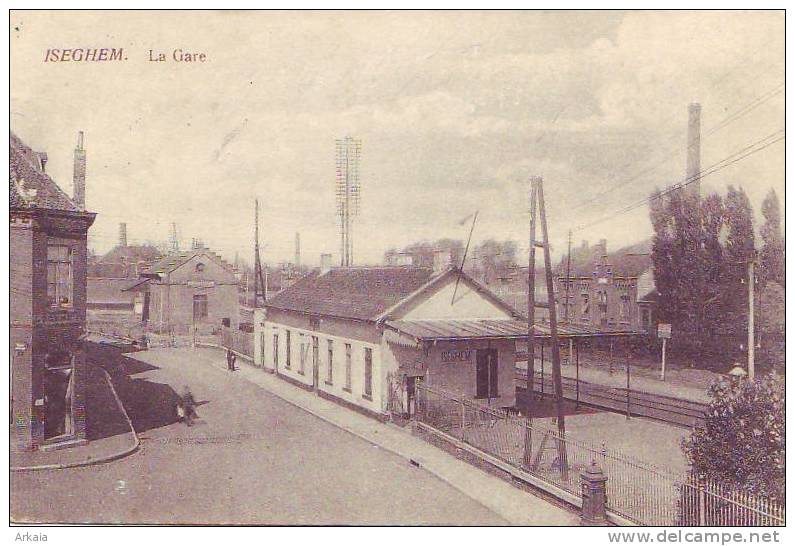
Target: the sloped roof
pixel 170 262
pixel 361 293
pixel 29 186
pixel 628 261
pixel 108 290
pixel 442 330
pixel 132 253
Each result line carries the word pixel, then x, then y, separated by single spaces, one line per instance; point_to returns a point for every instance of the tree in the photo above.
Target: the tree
pixel 687 258
pixel 738 252
pixel 741 442
pixel 493 259
pixel 772 254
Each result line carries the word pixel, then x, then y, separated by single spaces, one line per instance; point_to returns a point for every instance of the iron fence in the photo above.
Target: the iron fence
pixel 637 490
pixel 239 341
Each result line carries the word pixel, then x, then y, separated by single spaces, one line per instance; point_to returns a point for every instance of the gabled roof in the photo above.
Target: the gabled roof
pixel 464 279
pixel 170 262
pixel 131 253
pixel 629 261
pixel 361 293
pixel 29 186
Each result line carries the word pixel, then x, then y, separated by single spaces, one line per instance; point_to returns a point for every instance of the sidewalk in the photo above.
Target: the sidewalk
pixel 510 503
pixel 108 430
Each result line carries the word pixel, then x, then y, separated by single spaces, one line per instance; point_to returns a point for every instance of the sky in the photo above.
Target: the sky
pixel 455 111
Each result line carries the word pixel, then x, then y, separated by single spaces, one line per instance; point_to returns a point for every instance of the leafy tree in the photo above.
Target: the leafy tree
pixel 741 441
pixel 688 260
pixel 493 259
pixel 772 254
pixel 738 251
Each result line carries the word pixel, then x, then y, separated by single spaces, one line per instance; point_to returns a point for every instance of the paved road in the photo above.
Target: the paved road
pixel 251 459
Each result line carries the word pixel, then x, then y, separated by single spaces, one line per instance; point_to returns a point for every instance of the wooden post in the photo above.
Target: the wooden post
pixel 628 391
pixel 553 331
pixel 662 369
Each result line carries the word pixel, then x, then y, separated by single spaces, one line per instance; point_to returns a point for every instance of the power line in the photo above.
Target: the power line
pixel 715 167
pixel 734 116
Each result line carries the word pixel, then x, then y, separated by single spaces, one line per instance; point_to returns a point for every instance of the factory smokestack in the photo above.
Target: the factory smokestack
pixel 122 234
pixel 298 250
pixel 79 176
pixel 693 172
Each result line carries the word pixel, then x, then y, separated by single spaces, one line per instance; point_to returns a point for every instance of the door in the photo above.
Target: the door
pixel 486 373
pixel 315 362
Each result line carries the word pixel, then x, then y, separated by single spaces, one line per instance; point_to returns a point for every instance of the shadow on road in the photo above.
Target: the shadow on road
pixel 149 404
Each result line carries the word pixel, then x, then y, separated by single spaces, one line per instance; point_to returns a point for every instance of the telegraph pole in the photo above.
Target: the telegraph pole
pixel 259 281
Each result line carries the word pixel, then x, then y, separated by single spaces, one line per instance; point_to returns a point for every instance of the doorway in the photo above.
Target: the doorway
pixel 315 362
pixel 486 374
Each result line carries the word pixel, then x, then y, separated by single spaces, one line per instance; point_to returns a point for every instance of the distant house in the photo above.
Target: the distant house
pixel 608 291
pixel 123 262
pixel 185 292
pixel 47 270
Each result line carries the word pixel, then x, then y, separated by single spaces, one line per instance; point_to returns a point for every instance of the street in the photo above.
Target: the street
pixel 251 458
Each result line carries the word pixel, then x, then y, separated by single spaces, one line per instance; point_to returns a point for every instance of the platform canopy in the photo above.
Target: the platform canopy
pixel 412 333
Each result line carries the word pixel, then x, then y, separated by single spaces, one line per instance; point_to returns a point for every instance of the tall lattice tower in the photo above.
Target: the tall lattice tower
pixel 348 191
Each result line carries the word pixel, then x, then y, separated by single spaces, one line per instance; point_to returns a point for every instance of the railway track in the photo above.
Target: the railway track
pixel 668 409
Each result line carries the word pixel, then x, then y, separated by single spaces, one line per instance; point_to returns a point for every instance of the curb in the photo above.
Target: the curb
pixel 105 459
pixel 411 459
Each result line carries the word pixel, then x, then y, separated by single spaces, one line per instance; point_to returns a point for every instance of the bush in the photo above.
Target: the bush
pixel 741 443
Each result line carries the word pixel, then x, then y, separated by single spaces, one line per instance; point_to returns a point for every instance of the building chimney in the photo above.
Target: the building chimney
pixel 79 176
pixel 43 161
pixel 298 250
pixel 603 246
pixel 693 171
pixel 325 263
pixel 123 234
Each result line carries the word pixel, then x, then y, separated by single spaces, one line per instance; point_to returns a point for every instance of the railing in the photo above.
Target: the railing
pixel 637 491
pixel 239 341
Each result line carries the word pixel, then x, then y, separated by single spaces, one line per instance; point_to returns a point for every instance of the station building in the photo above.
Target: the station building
pixel 363 336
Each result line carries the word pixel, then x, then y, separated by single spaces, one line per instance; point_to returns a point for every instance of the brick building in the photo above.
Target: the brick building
pixel 607 291
pixel 189 291
pixel 48 301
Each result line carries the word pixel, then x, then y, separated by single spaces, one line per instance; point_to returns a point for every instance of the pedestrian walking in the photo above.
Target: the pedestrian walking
pixel 230 360
pixel 187 406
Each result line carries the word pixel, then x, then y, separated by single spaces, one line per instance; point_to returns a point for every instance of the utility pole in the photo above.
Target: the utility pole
pixel 259 282
pixel 537 205
pixel 568 282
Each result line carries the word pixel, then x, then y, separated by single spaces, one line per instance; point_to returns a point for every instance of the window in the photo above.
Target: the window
pixel 348 367
pixel 330 371
pixel 302 348
pixel 287 349
pixel 59 274
pixel 368 373
pixel 199 267
pixel 276 350
pixel 486 373
pixel 624 310
pixel 586 306
pixel 199 307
